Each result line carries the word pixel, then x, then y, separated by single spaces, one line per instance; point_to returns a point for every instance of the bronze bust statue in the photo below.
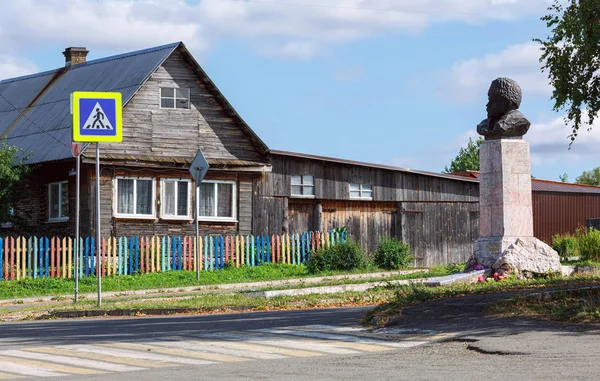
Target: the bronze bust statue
pixel 504 121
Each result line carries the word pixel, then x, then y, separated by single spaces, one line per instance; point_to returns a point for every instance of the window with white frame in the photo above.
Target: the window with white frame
pixel 175 98
pixel 361 191
pixel 175 199
pixel 303 186
pixel 58 201
pixel 134 197
pixel 217 200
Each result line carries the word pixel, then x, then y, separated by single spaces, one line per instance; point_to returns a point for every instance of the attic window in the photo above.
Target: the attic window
pixel 174 98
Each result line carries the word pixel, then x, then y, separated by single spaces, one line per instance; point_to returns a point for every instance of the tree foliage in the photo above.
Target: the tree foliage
pixel 467 158
pixel 12 172
pixel 570 55
pixel 591 177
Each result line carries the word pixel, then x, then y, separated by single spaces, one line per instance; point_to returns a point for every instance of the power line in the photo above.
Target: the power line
pixel 394 10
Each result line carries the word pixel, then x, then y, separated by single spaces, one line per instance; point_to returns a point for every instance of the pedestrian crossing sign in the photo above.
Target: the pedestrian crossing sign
pixel 97 117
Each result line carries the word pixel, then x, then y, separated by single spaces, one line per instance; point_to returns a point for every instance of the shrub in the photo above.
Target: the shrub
pixel 589 244
pixel 566 245
pixel 391 253
pixel 347 255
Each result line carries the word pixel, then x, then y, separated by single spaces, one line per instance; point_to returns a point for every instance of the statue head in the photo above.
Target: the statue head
pixel 504 95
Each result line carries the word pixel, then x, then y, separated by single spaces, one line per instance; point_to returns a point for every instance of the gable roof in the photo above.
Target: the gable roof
pixel 35 109
pixel 538 185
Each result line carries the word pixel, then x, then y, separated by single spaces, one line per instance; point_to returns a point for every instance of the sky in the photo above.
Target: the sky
pixel 397 82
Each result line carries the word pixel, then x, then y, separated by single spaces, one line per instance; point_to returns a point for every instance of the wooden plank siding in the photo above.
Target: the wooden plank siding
pixel 436 215
pixel 150 131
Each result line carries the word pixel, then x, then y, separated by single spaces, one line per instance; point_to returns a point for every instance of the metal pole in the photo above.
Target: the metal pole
pixel 98 257
pixel 78 169
pixel 197 229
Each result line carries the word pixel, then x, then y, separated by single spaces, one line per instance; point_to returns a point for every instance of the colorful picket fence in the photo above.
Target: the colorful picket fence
pixel 34 257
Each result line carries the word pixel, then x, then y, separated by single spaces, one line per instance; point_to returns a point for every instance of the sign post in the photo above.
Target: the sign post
pixel 76 150
pixel 97 118
pixel 198 170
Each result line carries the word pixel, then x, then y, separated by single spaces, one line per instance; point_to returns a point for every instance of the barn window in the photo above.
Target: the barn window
pixel 217 200
pixel 58 201
pixel 175 200
pixel 303 186
pixel 135 197
pixel 171 97
pixel 361 191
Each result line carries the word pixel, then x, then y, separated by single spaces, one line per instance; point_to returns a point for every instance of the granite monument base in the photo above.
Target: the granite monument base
pixel 522 256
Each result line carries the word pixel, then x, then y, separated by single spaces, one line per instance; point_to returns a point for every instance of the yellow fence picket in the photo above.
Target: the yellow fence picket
pixel 70 258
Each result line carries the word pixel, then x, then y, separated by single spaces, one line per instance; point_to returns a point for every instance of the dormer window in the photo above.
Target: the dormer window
pixel 174 98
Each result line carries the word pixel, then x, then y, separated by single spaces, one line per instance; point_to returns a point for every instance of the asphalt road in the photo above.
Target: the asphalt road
pixel 307 345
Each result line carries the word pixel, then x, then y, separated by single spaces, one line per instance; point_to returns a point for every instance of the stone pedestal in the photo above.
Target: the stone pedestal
pixel 505 212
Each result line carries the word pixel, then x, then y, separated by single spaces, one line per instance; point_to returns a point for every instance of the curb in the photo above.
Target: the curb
pixel 331 289
pixel 211 288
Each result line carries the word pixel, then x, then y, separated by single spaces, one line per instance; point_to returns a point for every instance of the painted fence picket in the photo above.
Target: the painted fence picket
pixel 53 257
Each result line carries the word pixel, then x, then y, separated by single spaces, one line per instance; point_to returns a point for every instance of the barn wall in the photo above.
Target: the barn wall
pixel 560 213
pixel 437 216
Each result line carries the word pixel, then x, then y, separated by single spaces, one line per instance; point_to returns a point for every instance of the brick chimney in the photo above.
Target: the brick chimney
pixel 75 55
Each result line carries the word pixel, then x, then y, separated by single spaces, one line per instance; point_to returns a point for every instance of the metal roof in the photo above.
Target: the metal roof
pixel 35 110
pixel 372 165
pixel 538 185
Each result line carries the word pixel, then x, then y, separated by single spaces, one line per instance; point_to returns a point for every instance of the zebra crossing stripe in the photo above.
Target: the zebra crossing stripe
pixel 28 371
pixel 111 349
pixel 49 366
pixel 278 341
pixel 95 356
pixel 6 376
pixel 339 337
pixel 265 348
pixel 214 347
pixel 85 363
pixel 181 352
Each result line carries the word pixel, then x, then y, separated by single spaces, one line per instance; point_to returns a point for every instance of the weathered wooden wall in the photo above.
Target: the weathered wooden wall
pixel 150 131
pixel 113 226
pixel 437 215
pixel 332 182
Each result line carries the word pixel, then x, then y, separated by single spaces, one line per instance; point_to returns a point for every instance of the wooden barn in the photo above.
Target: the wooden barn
pixel 436 213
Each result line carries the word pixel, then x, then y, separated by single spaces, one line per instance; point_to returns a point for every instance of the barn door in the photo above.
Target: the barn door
pixel 412 230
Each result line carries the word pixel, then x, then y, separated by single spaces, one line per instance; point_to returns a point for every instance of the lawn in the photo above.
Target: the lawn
pixel 267 272
pixel 574 306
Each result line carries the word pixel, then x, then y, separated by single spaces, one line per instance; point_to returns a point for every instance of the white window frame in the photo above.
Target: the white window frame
pixel 233 206
pixel 60 218
pixel 116 198
pixel 163 199
pixel 302 186
pixel 361 190
pixel 160 98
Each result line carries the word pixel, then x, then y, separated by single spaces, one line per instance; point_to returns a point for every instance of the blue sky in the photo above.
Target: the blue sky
pixel 385 81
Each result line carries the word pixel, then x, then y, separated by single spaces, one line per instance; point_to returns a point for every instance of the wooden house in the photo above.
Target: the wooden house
pixel 171 110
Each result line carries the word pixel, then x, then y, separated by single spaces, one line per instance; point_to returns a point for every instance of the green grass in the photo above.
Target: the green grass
pixel 409 295
pixel 578 306
pixel 580 263
pixel 267 272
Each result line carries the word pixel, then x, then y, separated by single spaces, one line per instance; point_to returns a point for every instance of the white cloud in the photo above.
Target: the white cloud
pixel 469 80
pixel 298 30
pixel 11 67
pixel 549 140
